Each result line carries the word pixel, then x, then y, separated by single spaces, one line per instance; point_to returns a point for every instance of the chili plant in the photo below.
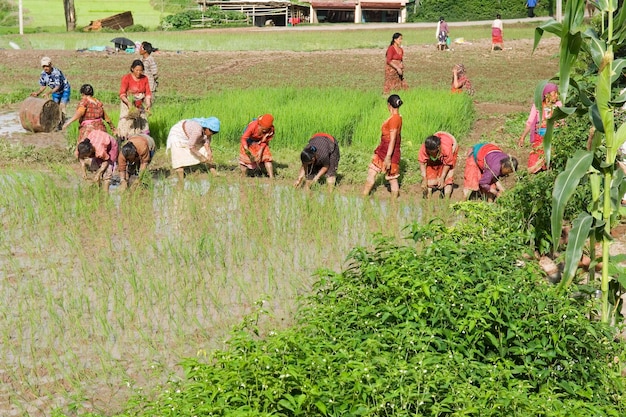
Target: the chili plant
pixel 598 162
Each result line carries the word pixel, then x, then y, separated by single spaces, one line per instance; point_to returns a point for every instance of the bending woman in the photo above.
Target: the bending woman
pixel 254 149
pixel 320 157
pixel 90 114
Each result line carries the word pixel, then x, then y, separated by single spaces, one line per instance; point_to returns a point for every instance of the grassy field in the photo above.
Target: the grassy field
pixel 49 14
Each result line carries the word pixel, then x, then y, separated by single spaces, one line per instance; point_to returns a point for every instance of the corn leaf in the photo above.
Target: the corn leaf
pixel 577 238
pixel 564 186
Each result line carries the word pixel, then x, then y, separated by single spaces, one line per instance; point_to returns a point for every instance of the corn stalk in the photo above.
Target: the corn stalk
pixel 597 165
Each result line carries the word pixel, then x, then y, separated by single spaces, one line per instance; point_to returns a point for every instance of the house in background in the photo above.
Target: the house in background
pixel 286 13
pixel 358 11
pixel 263 13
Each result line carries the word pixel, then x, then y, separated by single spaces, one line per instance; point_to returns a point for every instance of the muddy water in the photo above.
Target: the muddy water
pixel 10 123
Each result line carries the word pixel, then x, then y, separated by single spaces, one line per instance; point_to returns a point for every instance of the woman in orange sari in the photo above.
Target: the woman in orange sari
pixel 254 149
pixel 394 66
pixel 386 157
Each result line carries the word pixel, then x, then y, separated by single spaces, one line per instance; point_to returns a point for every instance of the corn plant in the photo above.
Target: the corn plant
pixel 597 165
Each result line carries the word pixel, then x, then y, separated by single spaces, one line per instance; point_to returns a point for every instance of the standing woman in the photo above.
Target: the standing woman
pixel 496 34
pixel 150 66
pixel 136 100
pixel 90 114
pixel 254 149
pixel 320 157
pixel 394 67
pixel 387 155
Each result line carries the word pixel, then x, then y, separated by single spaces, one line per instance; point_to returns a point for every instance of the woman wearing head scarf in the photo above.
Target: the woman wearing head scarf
pixel 386 157
pixel 460 82
pixel 536 126
pixel 394 66
pixel 319 157
pixel 485 164
pixel 189 142
pixel 90 114
pixel 254 149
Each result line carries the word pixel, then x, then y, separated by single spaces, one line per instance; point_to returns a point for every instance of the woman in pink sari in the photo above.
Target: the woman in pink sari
pixel 496 34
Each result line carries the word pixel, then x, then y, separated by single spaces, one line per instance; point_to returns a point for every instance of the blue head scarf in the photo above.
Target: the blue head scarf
pixel 211 123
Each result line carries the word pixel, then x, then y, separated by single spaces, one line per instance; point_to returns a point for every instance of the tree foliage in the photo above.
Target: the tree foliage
pixel 458 11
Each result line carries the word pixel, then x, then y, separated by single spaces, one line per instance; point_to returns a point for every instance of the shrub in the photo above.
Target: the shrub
pixel 184 20
pixel 457 11
pixel 456 328
pixel 531 198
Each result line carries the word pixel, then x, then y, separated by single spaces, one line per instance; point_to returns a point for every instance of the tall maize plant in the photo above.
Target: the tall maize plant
pixel 602 100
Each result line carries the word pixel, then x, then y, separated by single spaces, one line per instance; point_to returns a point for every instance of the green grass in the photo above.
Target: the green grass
pixel 49 13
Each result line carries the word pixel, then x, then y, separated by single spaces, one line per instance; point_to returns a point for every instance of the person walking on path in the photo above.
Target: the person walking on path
pixel 496 34
pixel 386 158
pixel 394 66
pixel 442 34
pixel 60 89
pixel 530 5
pixel 319 157
pixel 437 158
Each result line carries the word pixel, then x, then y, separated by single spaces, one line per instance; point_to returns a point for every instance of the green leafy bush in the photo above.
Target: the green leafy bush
pixel 456 328
pixel 8 13
pixel 184 20
pixel 531 198
pixel 457 11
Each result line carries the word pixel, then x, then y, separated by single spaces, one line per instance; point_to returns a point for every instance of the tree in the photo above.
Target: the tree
pixel 70 15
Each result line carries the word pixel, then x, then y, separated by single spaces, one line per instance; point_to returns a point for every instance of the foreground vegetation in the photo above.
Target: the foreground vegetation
pixel 458 327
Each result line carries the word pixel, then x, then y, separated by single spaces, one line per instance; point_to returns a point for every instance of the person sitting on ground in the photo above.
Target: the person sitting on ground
pixel 90 114
pixel 98 153
pixel 485 164
pixel 460 82
pixel 437 159
pixel 60 89
pixel 320 157
pixel 189 142
pixel 134 158
pixel 254 149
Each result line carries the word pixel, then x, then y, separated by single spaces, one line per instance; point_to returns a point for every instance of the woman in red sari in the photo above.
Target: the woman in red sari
pixel 254 149
pixel 136 100
pixel 394 66
pixel 386 157
pixel 90 114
